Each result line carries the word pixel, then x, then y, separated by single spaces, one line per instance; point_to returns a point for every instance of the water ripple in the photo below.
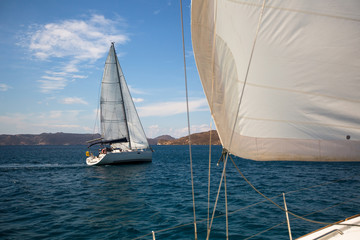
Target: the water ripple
pixel 49 192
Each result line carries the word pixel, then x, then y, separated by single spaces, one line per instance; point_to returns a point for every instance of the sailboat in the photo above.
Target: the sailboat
pixel 282 79
pixel 123 139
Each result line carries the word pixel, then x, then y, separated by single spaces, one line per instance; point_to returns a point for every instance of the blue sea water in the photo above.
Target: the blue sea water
pixel 48 192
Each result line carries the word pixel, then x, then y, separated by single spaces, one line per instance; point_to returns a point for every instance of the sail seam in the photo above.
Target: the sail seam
pixel 302 92
pixel 106 120
pixel 300 122
pixel 298 11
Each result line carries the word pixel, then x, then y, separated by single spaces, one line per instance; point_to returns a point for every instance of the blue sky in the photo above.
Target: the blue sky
pixel 53 54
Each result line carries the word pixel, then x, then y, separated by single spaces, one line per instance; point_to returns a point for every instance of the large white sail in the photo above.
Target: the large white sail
pixel 119 118
pixel 282 77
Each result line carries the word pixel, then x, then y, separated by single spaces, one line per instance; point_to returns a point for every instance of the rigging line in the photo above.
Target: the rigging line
pixel 122 94
pixel 247 72
pixel 97 111
pixel 217 197
pixel 279 195
pixel 226 207
pixel 96 121
pixel 188 120
pixel 314 186
pixel 327 208
pixel 281 208
pixel 266 230
pixel 241 96
pixel 249 206
pixel 211 102
pixel 246 207
pixel 209 177
pixel 213 58
pixel 321 210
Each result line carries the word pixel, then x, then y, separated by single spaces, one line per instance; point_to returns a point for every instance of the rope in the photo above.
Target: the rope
pixel 97 113
pixel 236 116
pixel 226 208
pixel 264 231
pixel 209 178
pixel 321 210
pixel 217 198
pixel 188 120
pixel 211 102
pixel 247 72
pixel 253 205
pixel 318 185
pixel 269 199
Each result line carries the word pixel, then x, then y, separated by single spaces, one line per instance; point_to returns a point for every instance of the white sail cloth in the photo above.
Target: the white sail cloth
pixel 301 98
pixel 119 118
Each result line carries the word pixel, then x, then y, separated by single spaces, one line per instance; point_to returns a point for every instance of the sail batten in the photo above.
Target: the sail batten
pixel 301 99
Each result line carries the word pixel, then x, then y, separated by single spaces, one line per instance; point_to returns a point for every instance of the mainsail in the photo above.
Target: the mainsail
pixel 282 78
pixel 119 119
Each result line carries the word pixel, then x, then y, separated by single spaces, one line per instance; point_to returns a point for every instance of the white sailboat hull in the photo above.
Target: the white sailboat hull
pixel 343 232
pixel 112 158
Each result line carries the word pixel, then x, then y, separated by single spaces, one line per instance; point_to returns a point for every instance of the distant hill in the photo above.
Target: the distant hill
pixel 80 139
pixel 47 139
pixel 154 141
pixel 59 139
pixel 196 139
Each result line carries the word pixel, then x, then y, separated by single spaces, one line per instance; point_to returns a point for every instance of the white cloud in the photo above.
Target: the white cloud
pixel 181 132
pixel 55 114
pixel 137 100
pixel 153 131
pixel 71 67
pixel 4 87
pixel 75 42
pixel 55 73
pixel 53 78
pixel 189 54
pixel 172 108
pixel 50 85
pixel 53 121
pixel 86 39
pixel 73 100
pixel 79 76
pixel 135 90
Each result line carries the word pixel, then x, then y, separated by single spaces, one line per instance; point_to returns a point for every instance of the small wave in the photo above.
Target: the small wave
pixel 42 165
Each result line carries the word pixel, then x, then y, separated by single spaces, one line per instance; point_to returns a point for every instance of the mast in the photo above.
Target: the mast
pixel 122 96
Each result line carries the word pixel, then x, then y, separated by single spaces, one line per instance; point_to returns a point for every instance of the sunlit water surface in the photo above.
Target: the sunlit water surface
pixel 48 192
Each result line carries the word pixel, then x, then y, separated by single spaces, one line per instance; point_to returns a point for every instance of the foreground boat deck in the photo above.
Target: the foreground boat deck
pixel 334 232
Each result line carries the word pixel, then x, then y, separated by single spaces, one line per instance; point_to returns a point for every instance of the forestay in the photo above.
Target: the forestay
pixel 119 118
pixel 282 83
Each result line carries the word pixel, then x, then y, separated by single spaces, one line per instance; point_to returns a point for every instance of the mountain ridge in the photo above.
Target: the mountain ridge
pixel 61 138
pixel 202 138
